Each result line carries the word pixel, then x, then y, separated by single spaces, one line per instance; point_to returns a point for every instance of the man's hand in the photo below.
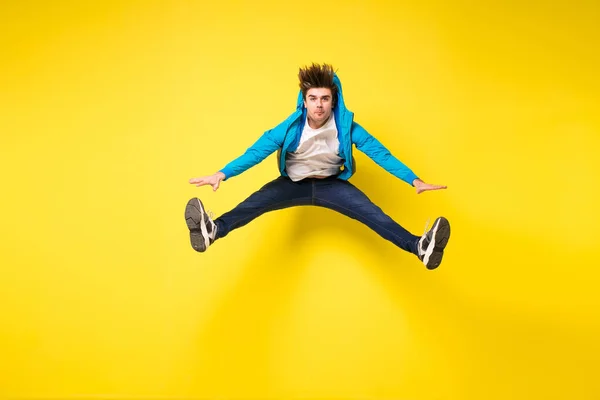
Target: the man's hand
pixel 213 180
pixel 423 187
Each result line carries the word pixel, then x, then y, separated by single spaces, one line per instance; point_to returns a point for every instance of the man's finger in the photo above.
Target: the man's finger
pixel 430 187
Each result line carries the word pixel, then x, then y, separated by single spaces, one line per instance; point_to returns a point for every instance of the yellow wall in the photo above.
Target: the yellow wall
pixel 107 110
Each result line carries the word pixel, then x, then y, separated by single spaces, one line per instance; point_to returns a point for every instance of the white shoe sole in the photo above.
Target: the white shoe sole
pixel 439 239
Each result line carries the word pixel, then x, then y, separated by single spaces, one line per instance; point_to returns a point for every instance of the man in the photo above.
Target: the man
pixel 315 161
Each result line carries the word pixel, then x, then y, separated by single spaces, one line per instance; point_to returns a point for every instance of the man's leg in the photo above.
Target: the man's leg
pixel 277 194
pixel 345 198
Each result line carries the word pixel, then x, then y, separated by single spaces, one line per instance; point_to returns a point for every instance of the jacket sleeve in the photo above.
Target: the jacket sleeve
pixel 373 148
pixel 270 141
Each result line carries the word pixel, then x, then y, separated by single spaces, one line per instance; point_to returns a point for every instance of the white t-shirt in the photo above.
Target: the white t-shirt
pixel 317 153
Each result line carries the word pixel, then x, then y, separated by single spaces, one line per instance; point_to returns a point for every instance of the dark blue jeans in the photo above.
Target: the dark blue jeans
pixel 333 193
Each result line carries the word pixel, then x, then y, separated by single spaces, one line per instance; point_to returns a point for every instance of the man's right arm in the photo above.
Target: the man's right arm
pixel 261 149
pixel 270 141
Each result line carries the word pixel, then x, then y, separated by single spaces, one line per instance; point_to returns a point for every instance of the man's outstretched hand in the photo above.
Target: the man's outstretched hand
pixel 423 187
pixel 214 180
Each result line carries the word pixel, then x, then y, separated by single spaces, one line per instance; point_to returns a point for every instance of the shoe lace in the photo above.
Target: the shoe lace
pixel 426 226
pixel 211 215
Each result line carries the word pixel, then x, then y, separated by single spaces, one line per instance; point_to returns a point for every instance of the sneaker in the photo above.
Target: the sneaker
pixel 431 245
pixel 201 226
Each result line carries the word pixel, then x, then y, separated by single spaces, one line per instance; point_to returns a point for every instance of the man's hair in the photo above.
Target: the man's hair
pixel 317 76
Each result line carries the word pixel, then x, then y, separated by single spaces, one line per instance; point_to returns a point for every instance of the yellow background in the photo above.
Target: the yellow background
pixel 107 109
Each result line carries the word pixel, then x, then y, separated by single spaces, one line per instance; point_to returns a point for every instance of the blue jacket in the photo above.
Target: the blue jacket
pixel 286 137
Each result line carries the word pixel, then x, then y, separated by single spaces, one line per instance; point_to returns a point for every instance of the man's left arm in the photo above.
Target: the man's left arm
pixel 373 148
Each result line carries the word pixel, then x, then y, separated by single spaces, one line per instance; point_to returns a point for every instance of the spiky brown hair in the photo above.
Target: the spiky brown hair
pixel 317 76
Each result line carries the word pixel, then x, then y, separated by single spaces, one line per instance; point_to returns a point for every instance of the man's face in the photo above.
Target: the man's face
pixel 318 102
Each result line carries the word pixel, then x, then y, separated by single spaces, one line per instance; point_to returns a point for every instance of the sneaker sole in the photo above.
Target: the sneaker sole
pixel 194 218
pixel 439 240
